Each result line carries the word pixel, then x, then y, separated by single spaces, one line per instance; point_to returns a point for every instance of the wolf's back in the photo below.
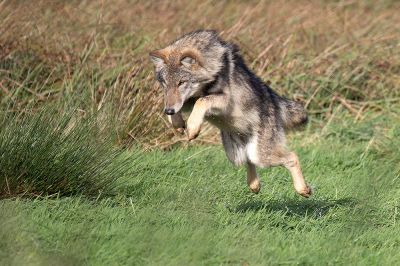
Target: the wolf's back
pixel 293 113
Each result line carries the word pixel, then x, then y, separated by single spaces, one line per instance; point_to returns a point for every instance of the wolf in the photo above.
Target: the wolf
pixel 203 74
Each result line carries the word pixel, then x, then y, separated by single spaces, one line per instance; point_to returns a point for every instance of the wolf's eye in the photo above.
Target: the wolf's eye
pixel 181 83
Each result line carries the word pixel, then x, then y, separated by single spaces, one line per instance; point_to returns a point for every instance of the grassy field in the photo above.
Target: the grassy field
pixel 191 207
pixel 91 173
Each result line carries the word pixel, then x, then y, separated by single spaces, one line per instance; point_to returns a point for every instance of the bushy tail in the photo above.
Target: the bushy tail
pixel 293 114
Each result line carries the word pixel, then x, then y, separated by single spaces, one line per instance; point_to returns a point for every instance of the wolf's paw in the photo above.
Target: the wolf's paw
pixel 192 130
pixel 255 187
pixel 306 192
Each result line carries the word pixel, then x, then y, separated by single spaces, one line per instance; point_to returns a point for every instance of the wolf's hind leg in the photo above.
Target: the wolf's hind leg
pixel 292 163
pixel 252 178
pixel 177 122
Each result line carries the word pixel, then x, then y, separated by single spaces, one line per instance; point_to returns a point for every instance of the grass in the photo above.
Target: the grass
pixel 91 172
pixel 191 207
pixel 47 155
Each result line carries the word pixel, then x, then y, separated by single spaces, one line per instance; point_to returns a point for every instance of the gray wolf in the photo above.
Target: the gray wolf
pixel 203 74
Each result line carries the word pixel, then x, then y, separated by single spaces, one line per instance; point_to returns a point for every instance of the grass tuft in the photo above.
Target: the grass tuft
pixel 46 155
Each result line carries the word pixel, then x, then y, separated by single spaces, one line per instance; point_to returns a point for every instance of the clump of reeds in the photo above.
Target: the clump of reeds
pixel 45 154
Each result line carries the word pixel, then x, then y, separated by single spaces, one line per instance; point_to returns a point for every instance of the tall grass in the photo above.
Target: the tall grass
pixel 325 54
pixel 45 155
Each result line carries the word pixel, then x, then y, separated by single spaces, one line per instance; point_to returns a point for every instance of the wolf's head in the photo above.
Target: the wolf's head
pixel 187 66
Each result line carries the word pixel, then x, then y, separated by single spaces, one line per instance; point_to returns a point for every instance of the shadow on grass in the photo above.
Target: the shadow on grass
pixel 296 207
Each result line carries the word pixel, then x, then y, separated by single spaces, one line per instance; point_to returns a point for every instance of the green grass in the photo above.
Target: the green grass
pixel 192 207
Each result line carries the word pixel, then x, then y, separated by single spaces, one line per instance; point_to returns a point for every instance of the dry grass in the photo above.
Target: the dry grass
pixel 89 54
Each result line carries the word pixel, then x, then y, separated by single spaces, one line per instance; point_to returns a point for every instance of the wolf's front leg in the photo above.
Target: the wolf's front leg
pixel 177 122
pixel 200 108
pixel 196 118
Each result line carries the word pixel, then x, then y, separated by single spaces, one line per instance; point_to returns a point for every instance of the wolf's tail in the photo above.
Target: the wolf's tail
pixel 293 114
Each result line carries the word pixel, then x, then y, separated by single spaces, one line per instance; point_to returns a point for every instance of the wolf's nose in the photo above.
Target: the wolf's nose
pixel 169 111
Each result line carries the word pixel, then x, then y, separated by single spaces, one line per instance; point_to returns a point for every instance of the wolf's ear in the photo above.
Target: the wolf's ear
pixel 158 58
pixel 188 62
pixel 189 58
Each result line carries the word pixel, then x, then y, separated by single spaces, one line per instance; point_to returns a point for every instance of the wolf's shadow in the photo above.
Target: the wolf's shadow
pixel 295 207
